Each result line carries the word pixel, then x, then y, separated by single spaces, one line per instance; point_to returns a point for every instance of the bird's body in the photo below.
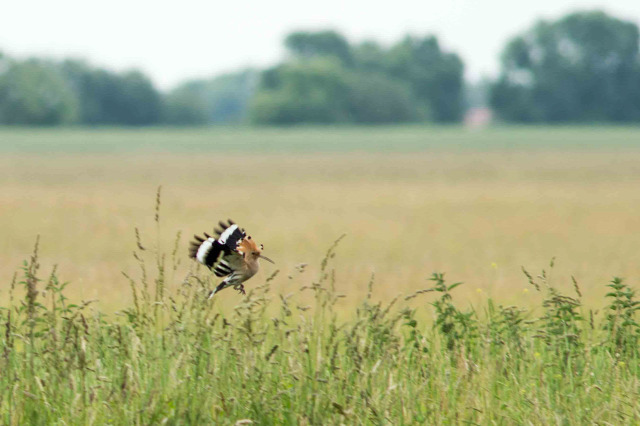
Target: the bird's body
pixel 230 254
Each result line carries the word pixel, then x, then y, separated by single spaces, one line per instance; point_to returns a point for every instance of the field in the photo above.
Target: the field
pixel 475 205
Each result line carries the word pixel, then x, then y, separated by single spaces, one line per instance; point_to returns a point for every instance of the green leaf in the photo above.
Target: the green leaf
pixel 452 286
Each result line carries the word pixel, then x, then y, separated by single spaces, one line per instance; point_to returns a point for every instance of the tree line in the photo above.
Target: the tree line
pixel 583 67
pixel 328 80
pixel 45 92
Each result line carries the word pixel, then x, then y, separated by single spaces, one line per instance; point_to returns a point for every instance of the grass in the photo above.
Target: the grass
pixel 366 335
pixel 394 139
pixel 479 214
pixel 172 357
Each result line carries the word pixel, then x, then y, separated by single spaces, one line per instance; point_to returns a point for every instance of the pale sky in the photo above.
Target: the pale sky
pixel 175 40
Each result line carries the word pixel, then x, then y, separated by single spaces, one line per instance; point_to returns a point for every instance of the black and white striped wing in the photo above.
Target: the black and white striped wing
pixel 219 253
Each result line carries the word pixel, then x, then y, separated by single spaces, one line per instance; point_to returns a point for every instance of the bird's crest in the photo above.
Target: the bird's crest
pixel 248 246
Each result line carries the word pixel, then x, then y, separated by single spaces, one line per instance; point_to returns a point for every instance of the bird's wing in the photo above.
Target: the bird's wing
pixel 219 253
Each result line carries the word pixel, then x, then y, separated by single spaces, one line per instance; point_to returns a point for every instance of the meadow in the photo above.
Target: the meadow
pixel 477 205
pixel 320 343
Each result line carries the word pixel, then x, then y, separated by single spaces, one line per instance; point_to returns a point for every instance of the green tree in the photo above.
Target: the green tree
pixel 374 98
pixel 327 80
pixel 34 92
pixel 108 98
pixel 308 45
pixel 302 92
pixel 371 57
pixel 229 95
pixel 223 99
pixel 323 91
pixel 435 77
pixel 584 67
pixel 186 104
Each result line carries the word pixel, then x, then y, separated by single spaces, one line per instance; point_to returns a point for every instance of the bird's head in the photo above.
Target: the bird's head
pixel 250 250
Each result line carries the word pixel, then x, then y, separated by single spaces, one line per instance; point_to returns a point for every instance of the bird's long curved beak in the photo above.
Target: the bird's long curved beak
pixel 267 259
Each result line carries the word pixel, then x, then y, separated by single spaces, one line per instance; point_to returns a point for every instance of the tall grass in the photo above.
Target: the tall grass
pixel 172 358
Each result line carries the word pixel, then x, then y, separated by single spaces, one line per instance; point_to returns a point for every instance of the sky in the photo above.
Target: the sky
pixel 173 41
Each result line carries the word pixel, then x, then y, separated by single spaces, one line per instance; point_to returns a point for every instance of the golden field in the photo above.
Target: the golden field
pixel 476 214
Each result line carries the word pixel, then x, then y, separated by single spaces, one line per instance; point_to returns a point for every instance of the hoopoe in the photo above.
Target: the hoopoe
pixel 232 254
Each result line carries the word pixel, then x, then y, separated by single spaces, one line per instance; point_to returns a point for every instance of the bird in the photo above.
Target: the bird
pixel 230 253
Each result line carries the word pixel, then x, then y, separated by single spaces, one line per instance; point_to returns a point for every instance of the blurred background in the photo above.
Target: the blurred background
pixel 462 136
pixel 75 63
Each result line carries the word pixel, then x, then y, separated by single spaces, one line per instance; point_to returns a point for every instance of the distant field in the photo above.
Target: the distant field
pixel 476 205
pixel 313 139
